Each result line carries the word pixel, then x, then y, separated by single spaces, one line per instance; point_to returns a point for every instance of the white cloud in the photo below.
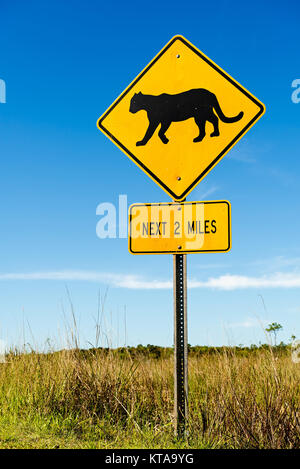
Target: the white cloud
pixel 210 266
pixel 244 158
pixel 249 323
pixel 55 275
pixel 208 192
pixel 115 280
pixel 244 152
pixel 236 282
pixel 278 262
pixel 135 282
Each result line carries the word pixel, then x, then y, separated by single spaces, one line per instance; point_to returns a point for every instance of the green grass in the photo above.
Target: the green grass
pixel 104 399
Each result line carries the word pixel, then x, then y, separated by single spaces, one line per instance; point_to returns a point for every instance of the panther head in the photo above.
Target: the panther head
pixel 136 103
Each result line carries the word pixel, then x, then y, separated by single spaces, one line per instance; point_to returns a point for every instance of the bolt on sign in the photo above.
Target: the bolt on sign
pixel 180 116
pixel 180 228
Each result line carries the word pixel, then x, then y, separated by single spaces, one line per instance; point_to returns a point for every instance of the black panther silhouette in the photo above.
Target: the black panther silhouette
pixel 167 108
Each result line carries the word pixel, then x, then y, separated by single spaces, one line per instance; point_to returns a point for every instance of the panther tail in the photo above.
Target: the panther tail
pixel 227 120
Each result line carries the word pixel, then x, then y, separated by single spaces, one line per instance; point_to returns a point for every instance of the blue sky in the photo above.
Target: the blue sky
pixel 63 64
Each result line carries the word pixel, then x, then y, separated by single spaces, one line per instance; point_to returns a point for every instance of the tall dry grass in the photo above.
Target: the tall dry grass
pixel 234 402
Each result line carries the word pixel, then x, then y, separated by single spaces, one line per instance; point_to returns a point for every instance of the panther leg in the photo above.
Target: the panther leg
pixel 150 131
pixel 201 125
pixel 215 122
pixel 164 127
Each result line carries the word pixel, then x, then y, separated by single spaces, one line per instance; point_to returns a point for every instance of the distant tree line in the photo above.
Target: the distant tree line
pixel 156 352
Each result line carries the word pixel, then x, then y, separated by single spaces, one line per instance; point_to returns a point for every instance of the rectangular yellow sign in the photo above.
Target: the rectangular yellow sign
pixel 178 228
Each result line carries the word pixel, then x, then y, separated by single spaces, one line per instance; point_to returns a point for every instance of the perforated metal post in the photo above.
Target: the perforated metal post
pixel 180 345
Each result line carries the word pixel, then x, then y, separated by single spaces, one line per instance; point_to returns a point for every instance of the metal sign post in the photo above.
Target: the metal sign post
pixel 180 345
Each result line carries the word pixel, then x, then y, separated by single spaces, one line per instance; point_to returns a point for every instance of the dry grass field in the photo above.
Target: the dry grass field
pixel 102 399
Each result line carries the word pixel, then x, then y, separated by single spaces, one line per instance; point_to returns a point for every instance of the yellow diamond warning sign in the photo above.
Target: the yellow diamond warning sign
pixel 176 228
pixel 180 116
